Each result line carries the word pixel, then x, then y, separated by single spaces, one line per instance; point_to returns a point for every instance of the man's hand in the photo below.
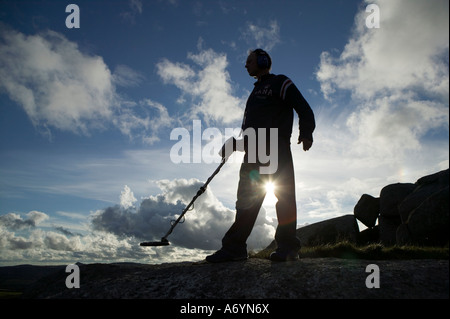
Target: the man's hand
pixel 307 143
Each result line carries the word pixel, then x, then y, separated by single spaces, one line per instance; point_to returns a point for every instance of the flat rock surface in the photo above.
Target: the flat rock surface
pixel 323 278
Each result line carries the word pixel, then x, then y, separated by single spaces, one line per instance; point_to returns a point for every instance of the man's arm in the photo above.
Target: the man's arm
pixel 307 122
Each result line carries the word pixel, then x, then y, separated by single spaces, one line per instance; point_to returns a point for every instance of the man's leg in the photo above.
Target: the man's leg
pixel 286 207
pixel 250 196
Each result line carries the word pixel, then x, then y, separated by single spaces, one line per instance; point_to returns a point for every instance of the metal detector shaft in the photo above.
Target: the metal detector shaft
pixel 200 192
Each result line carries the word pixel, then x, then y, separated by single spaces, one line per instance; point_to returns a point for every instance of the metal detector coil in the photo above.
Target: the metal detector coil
pixel 163 242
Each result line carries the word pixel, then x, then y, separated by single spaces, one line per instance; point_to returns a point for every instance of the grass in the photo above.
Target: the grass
pixel 349 250
pixel 7 294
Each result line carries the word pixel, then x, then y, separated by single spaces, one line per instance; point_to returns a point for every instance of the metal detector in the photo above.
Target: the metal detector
pixel 164 241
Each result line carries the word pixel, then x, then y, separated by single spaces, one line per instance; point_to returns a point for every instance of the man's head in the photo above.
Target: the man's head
pixel 258 63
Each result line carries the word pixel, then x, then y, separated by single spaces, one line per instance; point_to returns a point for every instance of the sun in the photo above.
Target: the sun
pixel 270 195
pixel 270 187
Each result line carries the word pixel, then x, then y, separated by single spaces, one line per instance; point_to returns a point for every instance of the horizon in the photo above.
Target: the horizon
pixel 92 108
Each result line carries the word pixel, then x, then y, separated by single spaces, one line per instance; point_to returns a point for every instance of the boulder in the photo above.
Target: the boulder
pixel 388 229
pixel 428 224
pixel 440 178
pixel 403 236
pixel 415 213
pixel 425 187
pixel 389 220
pixel 391 196
pixel 369 236
pixel 367 210
pixel 329 231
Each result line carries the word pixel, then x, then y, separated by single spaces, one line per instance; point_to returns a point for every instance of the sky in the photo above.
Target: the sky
pixel 92 103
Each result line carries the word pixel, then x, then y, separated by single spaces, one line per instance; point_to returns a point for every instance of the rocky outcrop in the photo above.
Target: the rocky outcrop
pixel 404 213
pixel 409 213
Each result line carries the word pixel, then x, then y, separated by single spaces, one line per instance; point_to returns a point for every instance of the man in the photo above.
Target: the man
pixel 270 105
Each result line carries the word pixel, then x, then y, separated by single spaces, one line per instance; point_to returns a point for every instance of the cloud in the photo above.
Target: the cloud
pixel 49 247
pixel 135 9
pixel 397 76
pixel 385 114
pixel 54 82
pixel 143 120
pixel 265 37
pixel 127 198
pixel 64 231
pixel 59 86
pixel 204 226
pixel 126 76
pixel 115 232
pixel 209 87
pixel 408 51
pixel 15 222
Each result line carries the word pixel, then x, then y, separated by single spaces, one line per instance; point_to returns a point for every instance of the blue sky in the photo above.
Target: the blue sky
pixel 86 116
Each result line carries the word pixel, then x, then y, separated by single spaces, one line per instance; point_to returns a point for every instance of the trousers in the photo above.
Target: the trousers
pixel 250 196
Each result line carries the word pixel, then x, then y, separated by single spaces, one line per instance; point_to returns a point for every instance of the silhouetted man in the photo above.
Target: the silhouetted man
pixel 270 105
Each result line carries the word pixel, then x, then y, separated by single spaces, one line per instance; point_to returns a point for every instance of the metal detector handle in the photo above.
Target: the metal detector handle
pixel 200 192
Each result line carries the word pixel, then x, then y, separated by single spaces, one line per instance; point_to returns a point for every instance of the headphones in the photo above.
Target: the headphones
pixel 263 59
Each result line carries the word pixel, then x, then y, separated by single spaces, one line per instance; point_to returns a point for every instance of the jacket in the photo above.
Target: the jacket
pixel 271 105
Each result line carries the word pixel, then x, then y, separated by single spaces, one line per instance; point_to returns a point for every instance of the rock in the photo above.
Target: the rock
pixel 440 178
pixel 425 187
pixel 369 236
pixel 329 231
pixel 367 210
pixel 402 235
pixel 428 224
pixel 409 213
pixel 388 229
pixel 389 220
pixel 391 196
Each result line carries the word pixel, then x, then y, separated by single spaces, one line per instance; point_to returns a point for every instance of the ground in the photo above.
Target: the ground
pixel 256 278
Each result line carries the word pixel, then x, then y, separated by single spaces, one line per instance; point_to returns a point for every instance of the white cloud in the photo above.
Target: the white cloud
pixel 265 37
pixel 397 76
pixel 14 221
pixel 47 247
pixel 210 87
pixel 58 86
pixel 135 9
pixel 408 52
pixel 126 76
pixel 143 120
pixel 54 82
pixel 127 198
pixel 204 227
pixel 115 232
pixel 385 118
pixel 136 5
